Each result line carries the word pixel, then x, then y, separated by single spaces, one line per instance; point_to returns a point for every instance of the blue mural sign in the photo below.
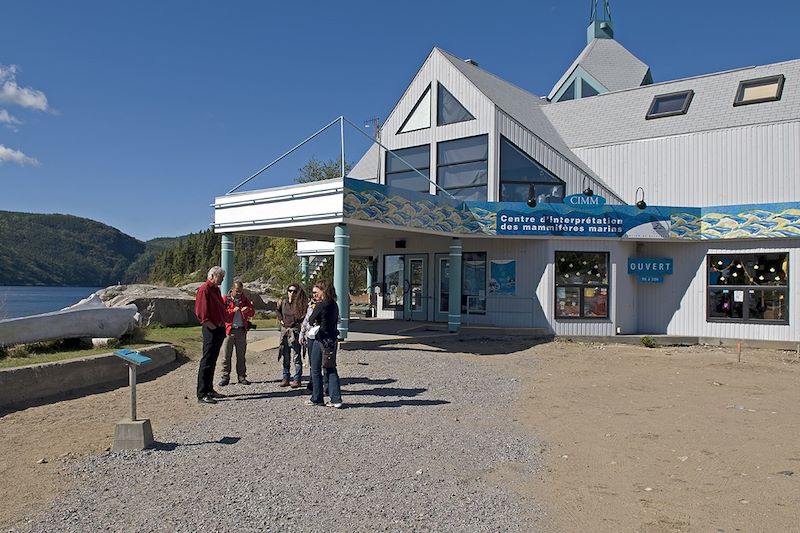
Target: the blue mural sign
pixel 584 201
pixel 650 269
pixel 554 219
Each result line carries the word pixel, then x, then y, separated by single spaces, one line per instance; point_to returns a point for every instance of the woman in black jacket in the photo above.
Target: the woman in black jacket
pixel 323 351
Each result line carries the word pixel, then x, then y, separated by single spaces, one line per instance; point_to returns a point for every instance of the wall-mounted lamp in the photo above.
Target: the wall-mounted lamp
pixel 532 196
pixel 641 204
pixel 587 190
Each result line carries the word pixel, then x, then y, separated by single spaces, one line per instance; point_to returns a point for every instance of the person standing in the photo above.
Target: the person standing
pixel 290 311
pixel 210 311
pixel 323 350
pixel 238 312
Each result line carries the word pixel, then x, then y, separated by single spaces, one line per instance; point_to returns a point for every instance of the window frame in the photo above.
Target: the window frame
pixel 742 258
pixel 385 295
pixel 757 82
pixel 501 181
pixel 471 161
pixel 464 295
pixel 582 287
pixel 428 92
pixel 688 96
pixel 439 119
pixel 387 174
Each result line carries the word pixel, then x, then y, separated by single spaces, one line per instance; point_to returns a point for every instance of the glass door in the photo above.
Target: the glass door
pixel 442 287
pixel 415 287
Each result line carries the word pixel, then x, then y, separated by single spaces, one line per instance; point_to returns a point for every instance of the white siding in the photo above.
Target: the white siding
pixel 678 306
pixel 438 68
pixel 575 178
pixel 751 164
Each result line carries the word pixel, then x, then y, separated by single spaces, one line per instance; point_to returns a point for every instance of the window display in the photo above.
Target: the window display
pixel 581 284
pixel 748 287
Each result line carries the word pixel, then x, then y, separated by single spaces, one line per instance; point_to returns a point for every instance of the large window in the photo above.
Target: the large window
pixel 400 175
pixel 581 285
pixel 473 283
pixel 748 288
pixel 759 90
pixel 519 171
pixel 462 167
pixel 667 105
pixel 393 277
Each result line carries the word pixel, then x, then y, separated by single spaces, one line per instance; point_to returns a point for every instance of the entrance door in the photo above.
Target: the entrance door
pixel 441 289
pixel 416 287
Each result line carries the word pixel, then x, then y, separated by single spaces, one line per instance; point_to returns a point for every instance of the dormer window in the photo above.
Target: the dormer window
pixel 759 90
pixel 667 105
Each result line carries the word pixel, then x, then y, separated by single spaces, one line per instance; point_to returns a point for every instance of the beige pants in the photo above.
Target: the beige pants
pixel 237 339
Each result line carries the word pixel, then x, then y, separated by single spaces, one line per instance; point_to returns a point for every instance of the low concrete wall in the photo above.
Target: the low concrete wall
pixel 32 383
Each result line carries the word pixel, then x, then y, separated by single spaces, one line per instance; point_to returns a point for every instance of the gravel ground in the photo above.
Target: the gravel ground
pixel 412 451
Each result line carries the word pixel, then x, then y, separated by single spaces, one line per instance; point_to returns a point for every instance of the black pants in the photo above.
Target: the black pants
pixel 212 342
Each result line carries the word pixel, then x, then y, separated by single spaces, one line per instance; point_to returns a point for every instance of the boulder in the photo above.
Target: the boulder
pixel 255 297
pixel 167 306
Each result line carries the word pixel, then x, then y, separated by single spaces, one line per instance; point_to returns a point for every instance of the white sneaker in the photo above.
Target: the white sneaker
pixel 309 402
pixel 337 405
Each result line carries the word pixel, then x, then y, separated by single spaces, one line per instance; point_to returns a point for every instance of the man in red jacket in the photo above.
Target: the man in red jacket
pixel 210 311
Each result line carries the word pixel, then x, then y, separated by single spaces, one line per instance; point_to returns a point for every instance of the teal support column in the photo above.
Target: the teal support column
pixel 370 276
pixel 304 269
pixel 341 276
pixel 454 303
pixel 226 262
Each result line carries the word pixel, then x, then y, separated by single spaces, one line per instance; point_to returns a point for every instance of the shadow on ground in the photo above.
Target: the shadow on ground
pixel 171 446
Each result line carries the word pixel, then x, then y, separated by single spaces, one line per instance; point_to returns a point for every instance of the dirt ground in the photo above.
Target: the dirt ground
pixel 635 439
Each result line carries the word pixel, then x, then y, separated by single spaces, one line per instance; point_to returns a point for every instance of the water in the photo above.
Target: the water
pixel 26 301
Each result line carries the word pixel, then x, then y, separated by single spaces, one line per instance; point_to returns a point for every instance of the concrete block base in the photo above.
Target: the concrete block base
pixel 132 435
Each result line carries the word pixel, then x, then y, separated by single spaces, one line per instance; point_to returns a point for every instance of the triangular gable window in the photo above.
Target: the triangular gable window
pixel 420 116
pixel 569 94
pixel 450 110
pixel 587 90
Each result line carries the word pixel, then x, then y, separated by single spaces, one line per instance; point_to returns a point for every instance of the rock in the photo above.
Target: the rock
pixel 167 306
pixel 42 461
pixel 255 297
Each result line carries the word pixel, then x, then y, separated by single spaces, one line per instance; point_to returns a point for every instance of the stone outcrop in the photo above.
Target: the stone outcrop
pixel 167 306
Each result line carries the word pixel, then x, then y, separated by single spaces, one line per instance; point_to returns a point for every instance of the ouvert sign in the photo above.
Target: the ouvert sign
pixel 649 269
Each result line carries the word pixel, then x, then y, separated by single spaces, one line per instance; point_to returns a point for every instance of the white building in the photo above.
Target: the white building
pixel 473 206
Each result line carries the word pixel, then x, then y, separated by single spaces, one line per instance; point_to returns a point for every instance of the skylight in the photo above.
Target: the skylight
pixel 759 90
pixel 667 105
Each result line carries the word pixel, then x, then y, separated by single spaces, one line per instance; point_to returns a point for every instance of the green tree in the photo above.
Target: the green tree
pixel 282 264
pixel 316 170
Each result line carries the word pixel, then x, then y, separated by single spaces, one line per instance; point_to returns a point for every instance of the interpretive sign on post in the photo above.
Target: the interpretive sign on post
pixel 130 433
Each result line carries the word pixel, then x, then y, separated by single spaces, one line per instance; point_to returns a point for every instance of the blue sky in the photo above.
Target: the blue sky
pixel 138 114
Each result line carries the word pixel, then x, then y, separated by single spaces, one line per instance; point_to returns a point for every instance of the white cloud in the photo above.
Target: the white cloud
pixel 8 119
pixel 15 156
pixel 12 93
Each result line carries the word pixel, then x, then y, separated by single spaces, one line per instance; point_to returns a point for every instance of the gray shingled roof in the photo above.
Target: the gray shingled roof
pixel 526 108
pixel 620 116
pixel 608 62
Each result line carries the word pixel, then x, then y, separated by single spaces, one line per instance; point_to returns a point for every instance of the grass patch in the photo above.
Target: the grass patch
pixel 188 340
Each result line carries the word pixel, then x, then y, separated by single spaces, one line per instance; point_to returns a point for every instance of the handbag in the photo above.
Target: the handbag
pixel 328 353
pixel 312 332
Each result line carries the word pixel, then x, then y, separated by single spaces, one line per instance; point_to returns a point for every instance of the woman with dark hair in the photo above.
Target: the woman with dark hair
pixel 291 311
pixel 323 350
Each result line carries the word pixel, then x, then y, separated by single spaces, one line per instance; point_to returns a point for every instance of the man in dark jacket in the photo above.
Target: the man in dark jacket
pixel 210 311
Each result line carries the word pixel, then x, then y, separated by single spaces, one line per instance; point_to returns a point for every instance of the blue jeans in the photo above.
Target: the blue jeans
pixel 316 377
pixel 292 357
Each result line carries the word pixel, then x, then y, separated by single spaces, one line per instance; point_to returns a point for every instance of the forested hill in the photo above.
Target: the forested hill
pixel 40 249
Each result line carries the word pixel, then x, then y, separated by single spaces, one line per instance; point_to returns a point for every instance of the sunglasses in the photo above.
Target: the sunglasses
pixel 292 290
